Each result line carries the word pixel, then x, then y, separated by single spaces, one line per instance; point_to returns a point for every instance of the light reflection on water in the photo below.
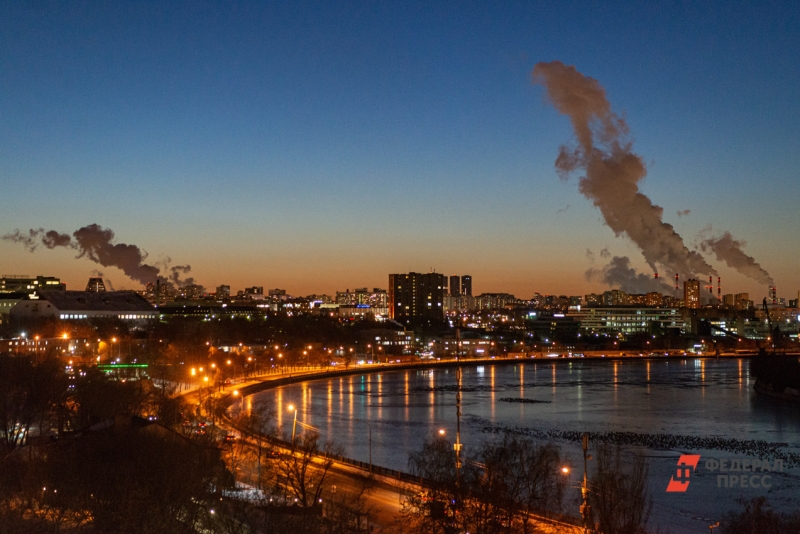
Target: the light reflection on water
pixel 692 396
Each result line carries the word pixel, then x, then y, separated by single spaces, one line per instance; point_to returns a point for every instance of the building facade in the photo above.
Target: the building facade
pixel 691 293
pixel 26 284
pixel 416 297
pixel 628 320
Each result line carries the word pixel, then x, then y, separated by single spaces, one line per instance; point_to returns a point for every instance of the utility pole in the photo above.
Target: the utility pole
pixel 586 511
pixel 457 445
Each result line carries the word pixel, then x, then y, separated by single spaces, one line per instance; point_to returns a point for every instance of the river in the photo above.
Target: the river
pixel 655 407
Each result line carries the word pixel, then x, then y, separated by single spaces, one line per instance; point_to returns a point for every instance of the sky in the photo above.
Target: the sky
pixel 320 146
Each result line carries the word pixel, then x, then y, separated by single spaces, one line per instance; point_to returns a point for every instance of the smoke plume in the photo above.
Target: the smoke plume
pixel 175 275
pixel 729 250
pixel 612 170
pixel 683 213
pixel 619 273
pixel 97 244
pixel 29 241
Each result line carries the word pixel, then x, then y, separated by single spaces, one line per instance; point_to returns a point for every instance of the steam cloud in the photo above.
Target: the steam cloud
pixel 729 250
pixel 613 171
pixel 619 273
pixel 97 244
pixel 611 181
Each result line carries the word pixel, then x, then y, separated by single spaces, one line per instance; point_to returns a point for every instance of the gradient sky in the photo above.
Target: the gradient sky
pixel 318 146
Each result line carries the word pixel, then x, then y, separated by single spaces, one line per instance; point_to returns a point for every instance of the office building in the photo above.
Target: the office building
pixel 628 320
pixel 25 284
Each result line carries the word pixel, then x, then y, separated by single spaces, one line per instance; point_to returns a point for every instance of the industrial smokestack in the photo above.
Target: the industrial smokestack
pixel 676 282
pixel 719 288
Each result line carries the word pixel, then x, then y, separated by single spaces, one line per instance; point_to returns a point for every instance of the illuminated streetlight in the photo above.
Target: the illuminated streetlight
pixel 441 432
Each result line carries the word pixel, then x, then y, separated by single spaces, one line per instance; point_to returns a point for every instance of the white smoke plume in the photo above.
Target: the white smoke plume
pixel 97 244
pixel 612 170
pixel 729 250
pixel 619 273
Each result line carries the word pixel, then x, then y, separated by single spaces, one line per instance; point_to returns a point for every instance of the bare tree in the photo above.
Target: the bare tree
pixel 29 392
pixel 304 471
pixel 618 493
pixel 258 428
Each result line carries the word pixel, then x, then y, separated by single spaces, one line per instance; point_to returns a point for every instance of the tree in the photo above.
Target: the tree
pixel 497 490
pixel 757 517
pixel 618 493
pixel 258 427
pixel 302 473
pixel 29 392
pixel 126 476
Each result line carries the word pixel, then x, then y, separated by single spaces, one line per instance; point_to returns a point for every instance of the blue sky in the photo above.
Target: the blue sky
pixel 320 146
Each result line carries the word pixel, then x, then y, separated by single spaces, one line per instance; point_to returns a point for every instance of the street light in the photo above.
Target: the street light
pixel 236 394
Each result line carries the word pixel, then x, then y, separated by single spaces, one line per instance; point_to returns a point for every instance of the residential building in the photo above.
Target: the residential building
pixel 691 293
pixel 466 285
pixel 223 292
pixel 494 301
pixel 416 297
pixel 455 285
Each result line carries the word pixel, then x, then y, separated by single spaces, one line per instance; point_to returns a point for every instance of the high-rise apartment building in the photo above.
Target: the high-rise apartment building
pixel 466 285
pixel 223 292
pixel 416 297
pixel 691 293
pixel 455 285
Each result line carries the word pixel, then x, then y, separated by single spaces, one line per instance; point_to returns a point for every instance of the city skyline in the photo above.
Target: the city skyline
pixel 320 149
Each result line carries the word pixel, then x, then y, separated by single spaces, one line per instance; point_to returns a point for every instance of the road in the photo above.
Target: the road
pixel 384 495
